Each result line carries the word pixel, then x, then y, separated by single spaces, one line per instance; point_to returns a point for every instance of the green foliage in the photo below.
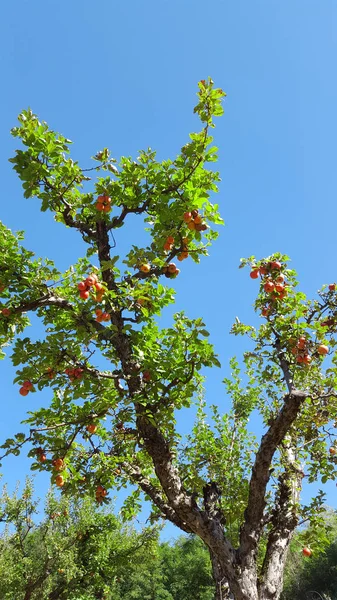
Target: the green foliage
pixel 79 552
pixel 318 572
pixel 75 550
pixel 186 569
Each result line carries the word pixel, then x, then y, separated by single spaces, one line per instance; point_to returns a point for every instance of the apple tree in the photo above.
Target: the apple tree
pixel 117 380
pixel 73 551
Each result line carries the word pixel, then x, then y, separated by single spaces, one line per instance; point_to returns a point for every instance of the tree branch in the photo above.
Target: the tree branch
pixel 252 527
pixel 283 523
pixel 155 495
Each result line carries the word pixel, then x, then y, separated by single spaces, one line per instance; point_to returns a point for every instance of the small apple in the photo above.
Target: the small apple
pixel 58 464
pixel 171 268
pixel 145 268
pixel 306 551
pixel 28 385
pixel 91 428
pixel 322 349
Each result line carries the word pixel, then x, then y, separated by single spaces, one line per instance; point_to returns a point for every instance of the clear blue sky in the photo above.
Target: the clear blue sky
pixel 124 75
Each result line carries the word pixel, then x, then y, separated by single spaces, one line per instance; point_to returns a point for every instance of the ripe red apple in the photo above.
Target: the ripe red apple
pixel 59 480
pixel 84 295
pixel 269 286
pixel 332 451
pixel 23 391
pixel 6 312
pixel 307 359
pixel 89 282
pixel 81 286
pixel 28 385
pixel 275 265
pixel 58 464
pixel 322 349
pixel 171 268
pixel 332 287
pixel 306 551
pixel 301 342
pixel 187 216
pixel 91 428
pixel 279 287
pixel 254 273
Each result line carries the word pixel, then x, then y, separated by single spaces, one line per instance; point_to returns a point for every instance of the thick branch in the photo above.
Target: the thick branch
pixel 251 529
pixel 199 522
pixel 156 497
pixel 283 522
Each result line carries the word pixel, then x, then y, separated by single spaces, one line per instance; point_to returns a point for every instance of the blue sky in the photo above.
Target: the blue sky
pixel 124 75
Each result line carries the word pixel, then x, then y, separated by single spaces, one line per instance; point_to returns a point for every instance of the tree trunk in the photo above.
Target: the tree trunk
pixel 221 591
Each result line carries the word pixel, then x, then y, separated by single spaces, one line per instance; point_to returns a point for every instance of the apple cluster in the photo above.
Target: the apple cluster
pixel 103 204
pixel 88 284
pixel 171 271
pixel 101 316
pixel 74 374
pixel 169 245
pixel 273 280
pixel 301 348
pixel 100 493
pixel 27 387
pixel 58 464
pixel 194 221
